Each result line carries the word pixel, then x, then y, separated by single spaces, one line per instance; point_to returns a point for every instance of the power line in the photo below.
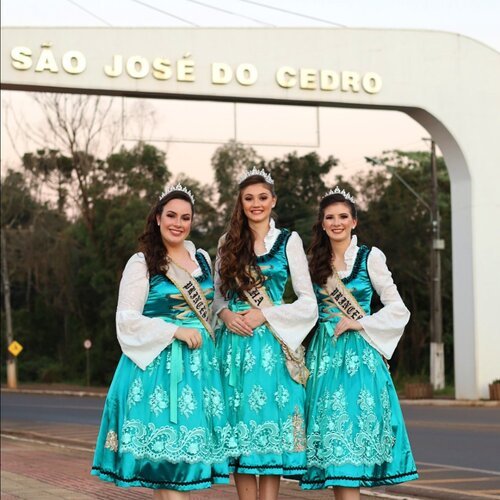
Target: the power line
pixel 229 12
pixel 89 12
pixel 166 13
pixel 279 9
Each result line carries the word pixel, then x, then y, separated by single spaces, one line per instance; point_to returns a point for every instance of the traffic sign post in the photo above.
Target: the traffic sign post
pixel 87 344
pixel 15 348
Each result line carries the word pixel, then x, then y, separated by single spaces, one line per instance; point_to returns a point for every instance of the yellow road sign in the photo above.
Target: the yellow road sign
pixel 15 348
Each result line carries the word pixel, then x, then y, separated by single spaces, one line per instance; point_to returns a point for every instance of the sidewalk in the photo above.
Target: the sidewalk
pixel 38 471
pixel 46 459
pixel 41 472
pixel 49 460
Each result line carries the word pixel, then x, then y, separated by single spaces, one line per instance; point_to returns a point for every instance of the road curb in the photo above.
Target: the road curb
pixel 450 402
pixel 409 402
pixel 57 392
pixel 38 437
pixel 34 437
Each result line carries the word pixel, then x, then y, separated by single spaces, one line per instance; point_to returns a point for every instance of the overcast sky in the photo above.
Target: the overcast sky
pixel 478 19
pixel 347 134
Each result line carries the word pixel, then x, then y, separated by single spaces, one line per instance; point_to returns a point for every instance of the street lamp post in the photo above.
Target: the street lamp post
pixel 437 244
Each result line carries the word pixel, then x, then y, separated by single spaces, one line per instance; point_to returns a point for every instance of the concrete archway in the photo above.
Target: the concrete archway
pixel 446 82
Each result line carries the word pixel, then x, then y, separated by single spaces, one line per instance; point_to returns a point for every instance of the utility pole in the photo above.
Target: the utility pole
pixel 437 346
pixel 11 360
pixel 436 245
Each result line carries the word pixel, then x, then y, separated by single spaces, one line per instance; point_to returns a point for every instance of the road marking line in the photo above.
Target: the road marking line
pixel 457 480
pixel 452 425
pixel 368 492
pixel 485 491
pixel 450 403
pixel 375 494
pixel 449 490
pixel 437 469
pixel 456 467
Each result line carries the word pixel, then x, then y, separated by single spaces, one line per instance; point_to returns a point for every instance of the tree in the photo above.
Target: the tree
pixel 395 221
pixel 207 226
pixel 128 185
pixel 299 186
pixel 70 271
pixel 72 256
pixel 141 171
pixel 31 254
pixel 228 162
pixel 73 134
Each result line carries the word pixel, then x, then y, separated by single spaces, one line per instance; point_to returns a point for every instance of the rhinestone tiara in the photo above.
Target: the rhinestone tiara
pixel 254 171
pixel 344 193
pixel 179 187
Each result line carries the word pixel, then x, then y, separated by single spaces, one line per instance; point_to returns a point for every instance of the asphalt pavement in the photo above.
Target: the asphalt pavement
pixel 457 448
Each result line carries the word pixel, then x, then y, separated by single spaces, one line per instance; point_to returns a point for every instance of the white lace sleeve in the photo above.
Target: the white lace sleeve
pixel 141 338
pixel 384 328
pixel 292 322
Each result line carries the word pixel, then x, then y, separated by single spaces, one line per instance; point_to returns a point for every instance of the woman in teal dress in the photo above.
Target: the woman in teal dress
pixel 356 436
pixel 265 405
pixel 164 423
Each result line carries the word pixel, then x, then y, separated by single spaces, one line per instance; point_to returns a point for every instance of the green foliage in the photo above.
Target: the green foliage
pixel 299 187
pixel 66 251
pixel 228 162
pixel 141 171
pixel 64 271
pixel 17 204
pixel 395 221
pixel 208 222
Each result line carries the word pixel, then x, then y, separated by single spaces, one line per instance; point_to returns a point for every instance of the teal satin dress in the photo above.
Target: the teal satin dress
pixel 166 427
pixel 356 436
pixel 266 407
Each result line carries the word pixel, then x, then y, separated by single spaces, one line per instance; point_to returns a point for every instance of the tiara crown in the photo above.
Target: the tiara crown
pixel 248 173
pixel 179 187
pixel 343 192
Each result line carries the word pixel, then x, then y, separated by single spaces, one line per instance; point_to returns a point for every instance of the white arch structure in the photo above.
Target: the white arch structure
pixel 448 83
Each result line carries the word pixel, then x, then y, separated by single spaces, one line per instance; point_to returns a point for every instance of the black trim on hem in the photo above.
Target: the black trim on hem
pixel 116 477
pixel 238 468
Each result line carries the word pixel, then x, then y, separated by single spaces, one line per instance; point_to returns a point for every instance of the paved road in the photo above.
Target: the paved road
pixel 458 436
pixel 47 408
pixel 456 448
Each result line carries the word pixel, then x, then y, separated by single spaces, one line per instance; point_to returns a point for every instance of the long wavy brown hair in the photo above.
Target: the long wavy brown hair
pixel 238 263
pixel 150 242
pixel 320 251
